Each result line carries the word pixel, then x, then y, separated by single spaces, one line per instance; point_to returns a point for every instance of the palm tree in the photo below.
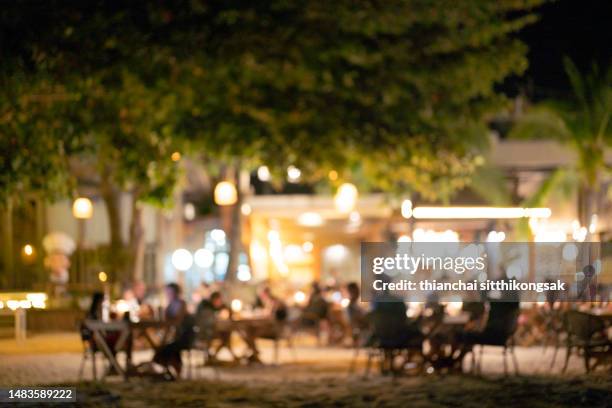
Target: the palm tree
pixel 583 124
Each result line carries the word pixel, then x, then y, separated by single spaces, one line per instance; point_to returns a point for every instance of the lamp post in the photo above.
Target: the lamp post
pixel 82 210
pixel 227 197
pixel 226 193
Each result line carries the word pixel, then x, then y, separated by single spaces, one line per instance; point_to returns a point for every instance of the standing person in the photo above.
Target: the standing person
pixel 169 356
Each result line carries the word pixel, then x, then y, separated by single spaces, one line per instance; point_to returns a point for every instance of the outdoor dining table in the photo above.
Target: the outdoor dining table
pixel 243 326
pixel 126 331
pixel 241 323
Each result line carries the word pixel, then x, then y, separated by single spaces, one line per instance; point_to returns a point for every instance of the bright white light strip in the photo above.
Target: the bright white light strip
pixel 479 212
pixel 310 219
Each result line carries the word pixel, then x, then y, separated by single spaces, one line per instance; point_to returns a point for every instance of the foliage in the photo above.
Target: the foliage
pixel 393 92
pixel 34 140
pixel 583 124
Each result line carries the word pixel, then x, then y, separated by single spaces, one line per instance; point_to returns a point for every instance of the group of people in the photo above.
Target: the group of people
pixel 383 323
pixel 196 326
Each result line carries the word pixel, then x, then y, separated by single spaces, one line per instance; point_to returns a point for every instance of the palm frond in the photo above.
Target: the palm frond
pixel 541 122
pixel 560 181
pixel 490 183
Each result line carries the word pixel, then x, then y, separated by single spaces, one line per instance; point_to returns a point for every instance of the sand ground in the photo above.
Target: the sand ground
pixel 312 376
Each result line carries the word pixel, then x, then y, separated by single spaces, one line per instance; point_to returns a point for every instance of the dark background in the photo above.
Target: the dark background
pixel 579 29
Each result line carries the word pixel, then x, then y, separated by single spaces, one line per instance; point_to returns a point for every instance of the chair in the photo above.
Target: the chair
pixel 205 332
pixel 282 331
pixel 360 329
pixel 89 352
pixel 392 336
pixel 554 330
pixel 586 334
pixel 502 322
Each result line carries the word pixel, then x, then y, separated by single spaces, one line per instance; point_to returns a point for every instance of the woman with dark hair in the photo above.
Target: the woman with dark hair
pixel 95 309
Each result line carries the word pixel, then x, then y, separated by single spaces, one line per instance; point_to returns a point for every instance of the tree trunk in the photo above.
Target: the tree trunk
pixel 137 242
pixel 235 238
pixel 116 248
pixel 7 231
pixel 235 243
pixel 588 206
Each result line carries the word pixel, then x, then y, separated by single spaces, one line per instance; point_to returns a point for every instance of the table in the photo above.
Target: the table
pixel 247 328
pixel 445 349
pixel 126 332
pixel 99 329
pixel 146 326
pixel 241 323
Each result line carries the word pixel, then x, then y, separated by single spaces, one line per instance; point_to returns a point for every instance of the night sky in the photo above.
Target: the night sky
pixel 579 29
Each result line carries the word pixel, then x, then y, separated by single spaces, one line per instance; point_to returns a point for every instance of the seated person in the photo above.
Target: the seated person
pixel 317 307
pixel 206 316
pixel 145 310
pixel 176 314
pixel 111 337
pixel 273 308
pixel 391 327
pixel 501 324
pixel 271 305
pixel 357 316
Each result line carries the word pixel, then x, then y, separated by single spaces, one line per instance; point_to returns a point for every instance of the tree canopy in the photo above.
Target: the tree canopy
pixel 391 91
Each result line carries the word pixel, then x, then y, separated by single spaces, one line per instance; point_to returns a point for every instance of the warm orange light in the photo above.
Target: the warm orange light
pixel 176 156
pixel 28 250
pixel 82 208
pixel 346 198
pixel 226 193
pixel 333 175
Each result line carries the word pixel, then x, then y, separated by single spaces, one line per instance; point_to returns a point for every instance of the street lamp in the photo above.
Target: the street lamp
pixel 346 198
pixel 82 208
pixel 226 193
